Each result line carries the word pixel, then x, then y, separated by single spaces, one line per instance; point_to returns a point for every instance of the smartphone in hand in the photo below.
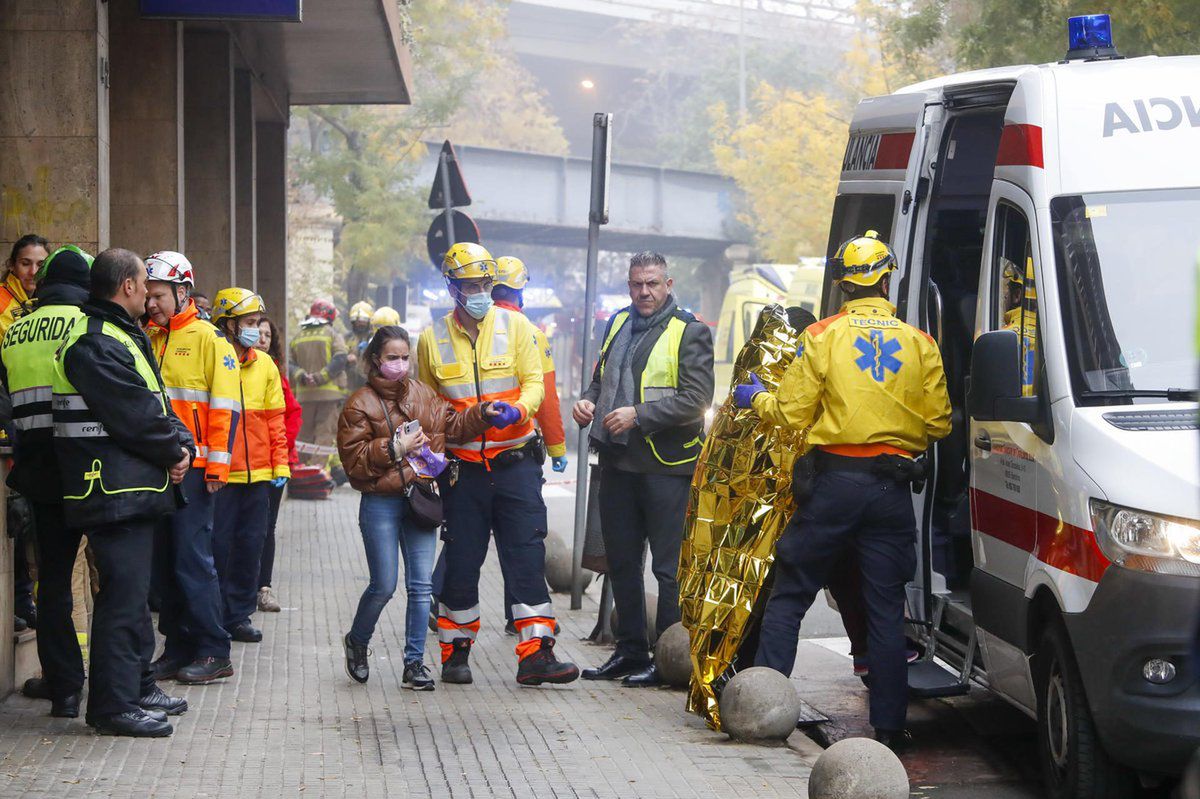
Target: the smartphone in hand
pixel 411 427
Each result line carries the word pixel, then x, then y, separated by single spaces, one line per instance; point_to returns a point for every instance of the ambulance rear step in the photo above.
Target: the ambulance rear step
pixel 944 640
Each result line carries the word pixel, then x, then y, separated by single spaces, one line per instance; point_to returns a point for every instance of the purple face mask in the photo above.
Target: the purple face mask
pixel 393 370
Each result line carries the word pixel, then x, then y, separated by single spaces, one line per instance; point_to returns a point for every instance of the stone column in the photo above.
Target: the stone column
pixel 271 205
pixel 208 158
pixel 54 124
pixel 147 130
pixel 245 179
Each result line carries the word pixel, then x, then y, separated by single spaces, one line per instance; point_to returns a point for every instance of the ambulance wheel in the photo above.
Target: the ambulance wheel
pixel 1074 763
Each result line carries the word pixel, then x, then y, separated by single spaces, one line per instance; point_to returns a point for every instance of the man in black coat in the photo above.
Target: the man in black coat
pixel 650 389
pixel 121 454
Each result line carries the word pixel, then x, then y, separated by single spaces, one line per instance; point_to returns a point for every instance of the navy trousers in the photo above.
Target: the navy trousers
pixel 239 529
pixel 874 516
pixel 507 500
pixel 191 610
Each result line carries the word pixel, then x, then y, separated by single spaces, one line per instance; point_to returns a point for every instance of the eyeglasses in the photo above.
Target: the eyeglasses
pixel 475 287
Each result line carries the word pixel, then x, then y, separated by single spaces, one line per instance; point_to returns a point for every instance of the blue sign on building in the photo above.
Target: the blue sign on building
pixel 276 10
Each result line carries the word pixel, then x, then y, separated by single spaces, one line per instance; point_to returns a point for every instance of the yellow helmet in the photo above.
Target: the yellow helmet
pixel 1011 273
pixel 234 302
pixel 385 316
pixel 863 261
pixel 467 261
pixel 511 272
pixel 361 311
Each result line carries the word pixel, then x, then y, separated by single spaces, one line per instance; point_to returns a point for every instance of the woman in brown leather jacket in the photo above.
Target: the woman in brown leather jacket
pixel 375 451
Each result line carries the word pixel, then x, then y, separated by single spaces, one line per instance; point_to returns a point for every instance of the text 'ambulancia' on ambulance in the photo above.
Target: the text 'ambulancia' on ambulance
pixel 1047 223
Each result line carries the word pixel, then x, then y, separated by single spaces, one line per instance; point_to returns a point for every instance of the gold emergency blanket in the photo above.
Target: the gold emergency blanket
pixel 739 504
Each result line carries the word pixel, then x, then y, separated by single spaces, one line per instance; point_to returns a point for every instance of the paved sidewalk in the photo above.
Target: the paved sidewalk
pixel 291 723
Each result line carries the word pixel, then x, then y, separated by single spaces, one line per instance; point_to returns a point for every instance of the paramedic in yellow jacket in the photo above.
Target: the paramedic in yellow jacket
pixel 873 391
pixel 199 373
pixel 20 278
pixel 479 353
pixel 260 460
pixel 1020 316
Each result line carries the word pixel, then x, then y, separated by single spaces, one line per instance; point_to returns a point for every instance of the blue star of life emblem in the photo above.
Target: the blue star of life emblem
pixel 878 355
pixel 229 362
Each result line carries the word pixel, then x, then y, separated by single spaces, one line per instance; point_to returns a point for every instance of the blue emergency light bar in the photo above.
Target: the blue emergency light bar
pixel 1090 38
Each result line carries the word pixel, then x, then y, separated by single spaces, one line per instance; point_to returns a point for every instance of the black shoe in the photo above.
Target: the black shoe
pixel 357 660
pixel 29 616
pixel 417 677
pixel 156 715
pixel 165 668
pixel 133 723
pixel 646 678
pixel 158 700
pixel 65 707
pixel 455 669
pixel 202 671
pixel 19 624
pixel 247 633
pixel 542 666
pixel 615 668
pixel 896 740
pixel 36 688
pixel 433 627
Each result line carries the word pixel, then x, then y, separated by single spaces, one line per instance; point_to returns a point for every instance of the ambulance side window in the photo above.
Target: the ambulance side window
pixel 854 215
pixel 1015 291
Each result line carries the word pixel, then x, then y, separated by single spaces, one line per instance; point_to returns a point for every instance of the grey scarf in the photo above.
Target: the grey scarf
pixel 617 383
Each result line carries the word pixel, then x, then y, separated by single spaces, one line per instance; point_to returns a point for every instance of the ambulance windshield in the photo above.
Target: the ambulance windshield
pixel 1127 279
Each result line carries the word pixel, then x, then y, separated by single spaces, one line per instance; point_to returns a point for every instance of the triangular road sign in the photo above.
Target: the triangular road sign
pixel 459 196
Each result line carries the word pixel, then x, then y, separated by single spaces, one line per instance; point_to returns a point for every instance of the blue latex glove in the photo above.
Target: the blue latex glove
pixel 279 482
pixel 506 415
pixel 743 395
pixel 559 463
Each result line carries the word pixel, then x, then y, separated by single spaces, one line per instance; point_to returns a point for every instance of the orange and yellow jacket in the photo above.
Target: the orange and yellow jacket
pixel 14 303
pixel 260 450
pixel 502 365
pixel 549 415
pixel 200 373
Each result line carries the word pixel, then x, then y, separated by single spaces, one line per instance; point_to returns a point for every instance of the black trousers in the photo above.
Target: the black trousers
pixel 636 509
pixel 872 516
pixel 57 642
pixel 266 569
pixel 122 641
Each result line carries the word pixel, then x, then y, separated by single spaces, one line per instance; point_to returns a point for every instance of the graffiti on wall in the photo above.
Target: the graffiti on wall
pixel 34 208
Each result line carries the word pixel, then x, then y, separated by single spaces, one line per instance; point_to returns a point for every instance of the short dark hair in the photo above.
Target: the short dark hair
pixel 853 291
pixel 28 240
pixel 648 258
pixel 194 294
pixel 378 341
pixel 111 269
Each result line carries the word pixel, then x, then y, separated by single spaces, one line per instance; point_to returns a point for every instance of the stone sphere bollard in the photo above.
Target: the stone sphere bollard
pixel 651 619
pixel 858 768
pixel 558 566
pixel 673 654
pixel 760 705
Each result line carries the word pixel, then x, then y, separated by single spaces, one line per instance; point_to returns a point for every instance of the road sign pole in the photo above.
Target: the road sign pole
pixel 444 158
pixel 597 216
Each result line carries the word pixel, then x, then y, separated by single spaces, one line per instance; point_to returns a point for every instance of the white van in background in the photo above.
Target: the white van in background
pixel 1060 531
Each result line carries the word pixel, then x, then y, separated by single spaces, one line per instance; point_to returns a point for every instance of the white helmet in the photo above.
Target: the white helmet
pixel 170 267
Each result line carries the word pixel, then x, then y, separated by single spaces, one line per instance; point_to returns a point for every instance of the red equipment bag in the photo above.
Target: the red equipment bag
pixel 310 482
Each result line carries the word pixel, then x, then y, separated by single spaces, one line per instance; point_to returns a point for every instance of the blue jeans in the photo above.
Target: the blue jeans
pixel 381 518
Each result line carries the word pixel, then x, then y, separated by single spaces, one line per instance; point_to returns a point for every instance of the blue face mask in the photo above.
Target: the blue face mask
pixel 477 305
pixel 248 336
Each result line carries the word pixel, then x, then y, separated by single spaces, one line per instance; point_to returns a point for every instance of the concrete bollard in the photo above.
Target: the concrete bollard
pixel 651 619
pixel 858 768
pixel 558 566
pixel 673 654
pixel 760 705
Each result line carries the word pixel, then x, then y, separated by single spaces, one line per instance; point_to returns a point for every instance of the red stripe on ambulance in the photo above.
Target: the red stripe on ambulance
pixel 1020 145
pixel 1054 542
pixel 870 151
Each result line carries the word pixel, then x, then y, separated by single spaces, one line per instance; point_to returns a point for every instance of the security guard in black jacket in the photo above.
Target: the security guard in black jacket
pixel 121 452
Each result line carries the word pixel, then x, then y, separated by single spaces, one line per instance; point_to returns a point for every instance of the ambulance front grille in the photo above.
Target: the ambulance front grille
pixel 1153 420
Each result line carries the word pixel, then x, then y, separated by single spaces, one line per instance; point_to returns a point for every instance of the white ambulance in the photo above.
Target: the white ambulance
pixel 1047 222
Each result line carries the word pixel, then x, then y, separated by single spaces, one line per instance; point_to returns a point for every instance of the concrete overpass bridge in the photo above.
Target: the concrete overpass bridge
pixel 530 198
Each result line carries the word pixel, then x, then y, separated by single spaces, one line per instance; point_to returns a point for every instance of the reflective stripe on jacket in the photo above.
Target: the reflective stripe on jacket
pixel 868 383
pixel 319 350
pixel 549 415
pixel 260 449
pixel 501 365
pixel 657 381
pixel 200 373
